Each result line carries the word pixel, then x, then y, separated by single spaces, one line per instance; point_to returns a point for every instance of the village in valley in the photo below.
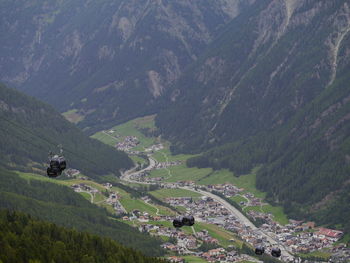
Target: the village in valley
pixel 295 238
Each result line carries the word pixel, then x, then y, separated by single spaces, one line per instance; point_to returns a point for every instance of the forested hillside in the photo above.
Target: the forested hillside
pixel 25 239
pixel 273 91
pixel 29 129
pixel 61 205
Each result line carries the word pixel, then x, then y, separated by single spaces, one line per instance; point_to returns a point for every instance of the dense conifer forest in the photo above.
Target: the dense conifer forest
pixel 61 205
pixel 28 240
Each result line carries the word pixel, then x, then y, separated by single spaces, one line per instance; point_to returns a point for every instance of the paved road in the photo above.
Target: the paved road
pixel 234 211
pixel 126 176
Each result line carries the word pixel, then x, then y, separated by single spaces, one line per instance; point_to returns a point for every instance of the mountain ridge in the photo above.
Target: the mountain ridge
pixel 30 129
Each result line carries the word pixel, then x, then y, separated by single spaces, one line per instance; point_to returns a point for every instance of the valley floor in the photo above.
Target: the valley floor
pixel 231 214
pixel 211 197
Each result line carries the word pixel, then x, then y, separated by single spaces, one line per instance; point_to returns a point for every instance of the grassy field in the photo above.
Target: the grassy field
pixel 127 201
pixel 238 199
pixel 130 128
pixel 165 154
pixel 276 211
pixel 181 172
pixel 193 259
pixel 132 204
pixel 138 160
pixel 73 116
pixel 164 193
pixel 220 234
pixel 85 195
pixel 106 139
pixel 316 254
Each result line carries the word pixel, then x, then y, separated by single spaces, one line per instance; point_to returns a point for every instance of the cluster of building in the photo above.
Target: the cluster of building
pixel 185 243
pixel 163 165
pixel 128 143
pixel 154 148
pixel 340 253
pixel 304 237
pixel 70 172
pixel 84 188
pixel 296 237
pixel 113 200
pixel 227 190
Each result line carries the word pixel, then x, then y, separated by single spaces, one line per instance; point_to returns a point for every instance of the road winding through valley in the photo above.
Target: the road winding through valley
pixel 127 177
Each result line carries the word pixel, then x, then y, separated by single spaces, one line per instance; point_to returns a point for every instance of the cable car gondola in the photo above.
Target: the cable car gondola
pixel 276 252
pixel 183 221
pixel 188 220
pixel 57 165
pixel 259 250
pixel 177 222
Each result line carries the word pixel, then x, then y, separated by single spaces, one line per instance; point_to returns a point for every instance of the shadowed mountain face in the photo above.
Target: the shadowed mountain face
pixel 120 54
pixel 272 61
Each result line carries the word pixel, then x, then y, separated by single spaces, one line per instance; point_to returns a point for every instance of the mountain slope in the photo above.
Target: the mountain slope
pixel 30 129
pixel 62 206
pixel 115 53
pixel 259 73
pixel 273 91
pixel 24 239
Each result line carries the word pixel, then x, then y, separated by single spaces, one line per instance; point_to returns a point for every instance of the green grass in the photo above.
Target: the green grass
pixel 159 173
pixel 73 116
pixel 162 223
pixel 31 176
pixel 99 197
pixel 164 193
pixel 277 212
pixel 165 238
pixel 181 209
pixel 132 204
pixel 220 234
pixel 248 183
pixel 193 259
pixel 344 239
pixel 130 128
pixel 126 200
pixel 138 160
pixel 106 139
pixel 217 177
pixel 159 156
pixel 108 207
pixel 183 173
pixel 165 154
pixel 86 195
pixel 319 254
pixel 238 199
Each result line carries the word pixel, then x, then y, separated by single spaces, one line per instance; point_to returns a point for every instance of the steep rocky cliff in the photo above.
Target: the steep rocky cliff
pixel 119 54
